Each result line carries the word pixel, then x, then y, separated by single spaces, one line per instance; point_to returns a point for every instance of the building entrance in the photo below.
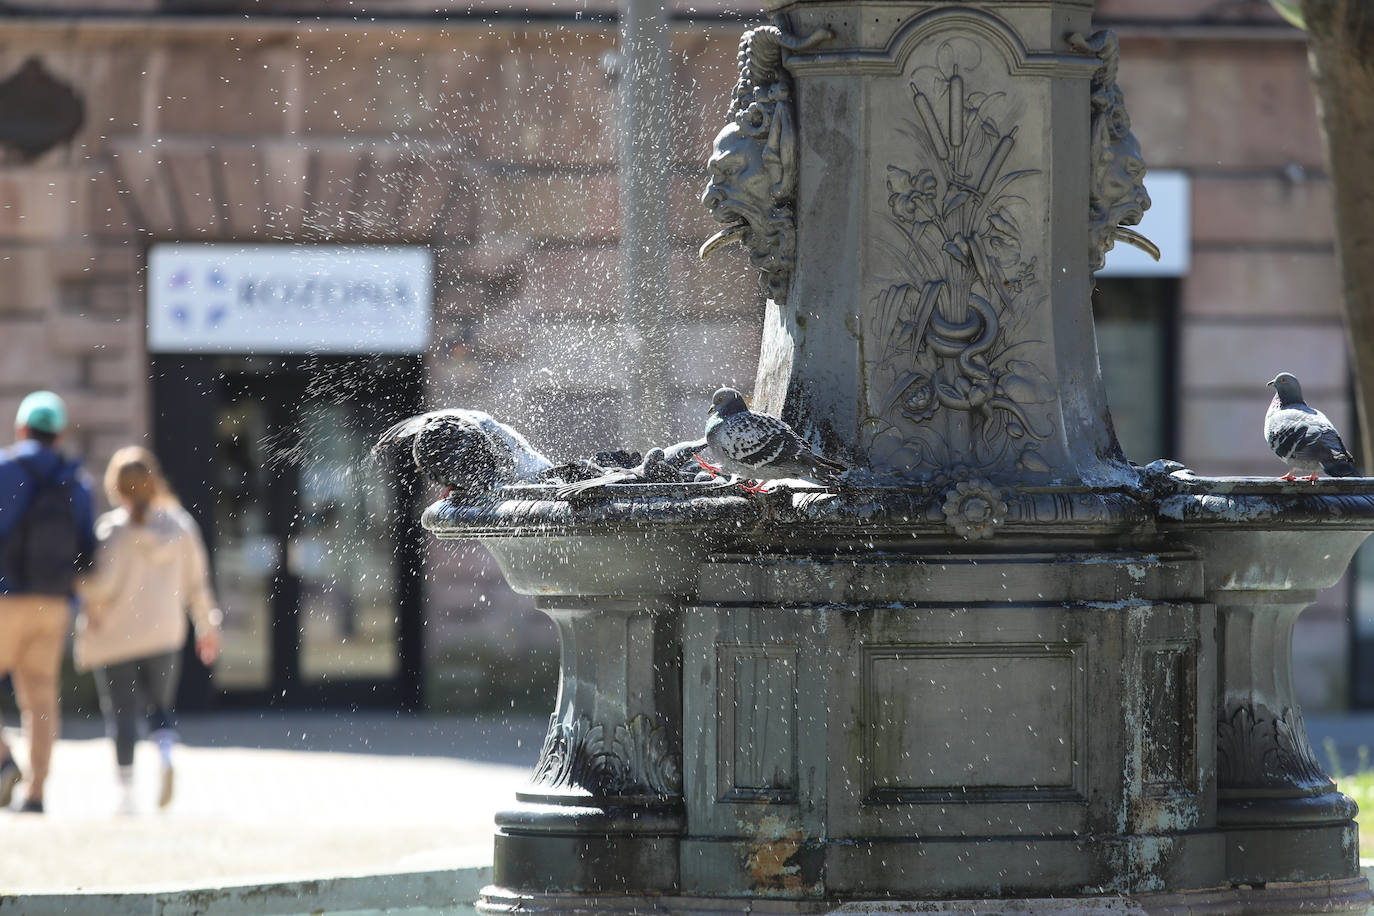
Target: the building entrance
pixel 314 547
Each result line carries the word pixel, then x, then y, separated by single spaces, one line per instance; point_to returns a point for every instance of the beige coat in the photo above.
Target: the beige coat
pixel 146 576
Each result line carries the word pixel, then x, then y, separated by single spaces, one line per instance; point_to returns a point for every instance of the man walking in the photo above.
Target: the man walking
pixel 47 533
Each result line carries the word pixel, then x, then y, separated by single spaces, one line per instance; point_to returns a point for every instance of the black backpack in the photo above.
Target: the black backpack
pixel 42 552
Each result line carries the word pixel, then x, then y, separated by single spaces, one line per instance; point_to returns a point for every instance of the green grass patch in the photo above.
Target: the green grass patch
pixel 1359 785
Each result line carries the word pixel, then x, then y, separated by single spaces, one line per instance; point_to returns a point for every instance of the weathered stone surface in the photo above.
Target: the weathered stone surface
pixel 1274 284
pixel 1272 211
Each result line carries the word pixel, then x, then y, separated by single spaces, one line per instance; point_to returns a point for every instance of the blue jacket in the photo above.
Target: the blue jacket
pixel 17 489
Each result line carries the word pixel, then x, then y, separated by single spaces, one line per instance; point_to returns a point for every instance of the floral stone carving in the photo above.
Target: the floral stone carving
pixel 753 165
pixel 1117 198
pixel 974 509
pixel 949 382
pixel 635 760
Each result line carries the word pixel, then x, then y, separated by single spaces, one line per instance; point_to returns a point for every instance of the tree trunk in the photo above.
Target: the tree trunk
pixel 1341 57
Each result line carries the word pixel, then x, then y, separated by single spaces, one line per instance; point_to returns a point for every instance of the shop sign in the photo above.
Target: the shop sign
pixel 222 298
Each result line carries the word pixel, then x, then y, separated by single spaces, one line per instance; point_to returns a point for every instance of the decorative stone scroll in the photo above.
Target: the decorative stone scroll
pixel 634 760
pixel 753 166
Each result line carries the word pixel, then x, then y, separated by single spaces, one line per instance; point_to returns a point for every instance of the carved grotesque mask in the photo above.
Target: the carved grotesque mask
pixel 752 185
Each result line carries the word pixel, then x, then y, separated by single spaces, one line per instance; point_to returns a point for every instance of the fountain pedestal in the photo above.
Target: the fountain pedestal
pixel 999 664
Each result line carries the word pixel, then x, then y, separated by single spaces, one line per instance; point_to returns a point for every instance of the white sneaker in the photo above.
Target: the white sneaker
pixel 164 797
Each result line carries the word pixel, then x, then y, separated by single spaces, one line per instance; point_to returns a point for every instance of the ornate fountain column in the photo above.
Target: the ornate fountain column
pixel 997 666
pixel 937 311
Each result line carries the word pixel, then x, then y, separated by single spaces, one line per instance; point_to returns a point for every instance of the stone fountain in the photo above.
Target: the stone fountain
pixel 1000 661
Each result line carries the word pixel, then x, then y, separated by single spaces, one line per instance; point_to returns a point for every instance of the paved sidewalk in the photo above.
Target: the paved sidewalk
pixel 272 797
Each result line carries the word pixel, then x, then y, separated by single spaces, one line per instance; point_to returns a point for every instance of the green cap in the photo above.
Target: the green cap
pixel 43 411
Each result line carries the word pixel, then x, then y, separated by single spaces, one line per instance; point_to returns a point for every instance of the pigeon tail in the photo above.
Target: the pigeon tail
pixel 1340 468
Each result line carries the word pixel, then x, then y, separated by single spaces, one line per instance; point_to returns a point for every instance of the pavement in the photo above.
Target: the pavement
pixel 270 797
pixel 275 797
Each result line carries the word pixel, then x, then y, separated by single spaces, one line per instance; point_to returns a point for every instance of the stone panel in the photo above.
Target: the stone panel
pixel 79 336
pixel 1313 351
pixel 241 175
pixel 1242 284
pixel 549 101
pixel 1261 211
pixel 147 192
pixel 1020 711
pixel 353 90
pixel 333 180
pixel 551 207
pixel 219 88
pixel 704 74
pixel 713 287
pixel 189 179
pixel 27 286
pixel 757 734
pixel 39 204
pixel 1252 107
pixel 285 172
pixel 28 362
pixel 1156 89
pixel 571 282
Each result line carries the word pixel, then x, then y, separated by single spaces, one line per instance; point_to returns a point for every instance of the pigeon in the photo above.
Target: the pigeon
pixel 465 450
pixel 660 465
pixel 758 446
pixel 1302 436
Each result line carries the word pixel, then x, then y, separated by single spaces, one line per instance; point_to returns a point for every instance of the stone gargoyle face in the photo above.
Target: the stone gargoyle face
pixel 752 185
pixel 1118 198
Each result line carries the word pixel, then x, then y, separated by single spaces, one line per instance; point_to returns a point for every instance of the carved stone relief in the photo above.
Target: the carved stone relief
pixel 753 165
pixel 1116 198
pixel 950 381
pixel 634 760
pixel 1258 748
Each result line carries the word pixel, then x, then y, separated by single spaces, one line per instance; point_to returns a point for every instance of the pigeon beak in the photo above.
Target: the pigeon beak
pixel 710 410
pixel 1272 382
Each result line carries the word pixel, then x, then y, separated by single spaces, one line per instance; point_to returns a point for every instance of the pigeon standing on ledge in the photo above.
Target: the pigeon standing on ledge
pixel 758 446
pixel 660 465
pixel 1303 436
pixel 466 450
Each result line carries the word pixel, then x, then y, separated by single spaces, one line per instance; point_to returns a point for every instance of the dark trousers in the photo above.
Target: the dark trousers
pixel 139 688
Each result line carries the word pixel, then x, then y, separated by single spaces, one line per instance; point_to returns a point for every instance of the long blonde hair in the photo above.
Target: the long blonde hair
pixel 134 478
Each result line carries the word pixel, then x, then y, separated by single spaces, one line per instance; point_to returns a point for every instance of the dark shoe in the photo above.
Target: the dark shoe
pixel 10 776
pixel 32 806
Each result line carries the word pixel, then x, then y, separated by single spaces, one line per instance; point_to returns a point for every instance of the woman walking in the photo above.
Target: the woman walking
pixel 150 569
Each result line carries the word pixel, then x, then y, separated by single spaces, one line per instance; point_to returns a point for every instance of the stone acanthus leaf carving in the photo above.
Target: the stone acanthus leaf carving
pixel 1257 748
pixel 950 383
pixel 635 760
pixel 1116 197
pixel 753 165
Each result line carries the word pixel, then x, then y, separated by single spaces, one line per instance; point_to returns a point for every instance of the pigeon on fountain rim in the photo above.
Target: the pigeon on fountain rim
pixel 760 447
pixel 1303 436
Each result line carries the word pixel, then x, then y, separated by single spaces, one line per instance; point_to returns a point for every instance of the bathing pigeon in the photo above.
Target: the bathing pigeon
pixel 1302 436
pixel 758 446
pixel 660 465
pixel 467 450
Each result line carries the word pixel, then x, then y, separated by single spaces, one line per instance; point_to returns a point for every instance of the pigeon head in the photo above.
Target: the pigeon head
pixel 1286 386
pixel 727 401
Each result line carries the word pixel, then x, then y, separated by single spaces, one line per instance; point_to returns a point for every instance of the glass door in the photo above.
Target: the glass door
pixel 315 548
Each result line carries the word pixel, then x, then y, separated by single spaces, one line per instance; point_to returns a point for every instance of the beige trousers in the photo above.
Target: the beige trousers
pixel 33 634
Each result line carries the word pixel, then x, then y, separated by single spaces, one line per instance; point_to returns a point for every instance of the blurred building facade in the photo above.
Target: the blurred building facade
pixel 487 139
